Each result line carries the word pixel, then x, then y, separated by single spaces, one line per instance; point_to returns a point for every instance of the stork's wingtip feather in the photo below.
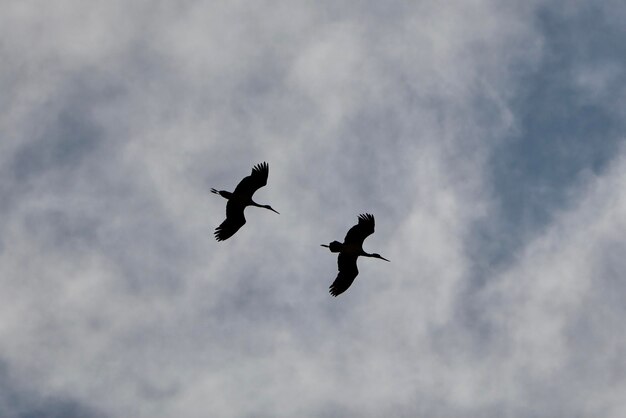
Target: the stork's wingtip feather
pixel 333 291
pixel 366 217
pixel 261 167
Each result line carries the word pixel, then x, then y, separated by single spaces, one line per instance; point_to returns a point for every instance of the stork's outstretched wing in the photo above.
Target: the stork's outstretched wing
pixel 360 231
pixel 347 274
pixel 253 182
pixel 234 220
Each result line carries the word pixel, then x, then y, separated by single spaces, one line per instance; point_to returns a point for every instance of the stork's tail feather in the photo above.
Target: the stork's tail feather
pixel 223 193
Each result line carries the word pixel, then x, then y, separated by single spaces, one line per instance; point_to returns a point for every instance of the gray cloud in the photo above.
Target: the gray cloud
pixel 115 297
pixel 17 401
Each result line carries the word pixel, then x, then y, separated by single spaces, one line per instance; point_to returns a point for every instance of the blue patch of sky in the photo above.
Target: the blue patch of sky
pixel 561 136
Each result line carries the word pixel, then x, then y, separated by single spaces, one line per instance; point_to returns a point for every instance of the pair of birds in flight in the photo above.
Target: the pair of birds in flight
pixel 349 250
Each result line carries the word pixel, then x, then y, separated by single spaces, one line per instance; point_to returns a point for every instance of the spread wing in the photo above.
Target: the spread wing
pixel 360 231
pixel 234 220
pixel 347 274
pixel 252 183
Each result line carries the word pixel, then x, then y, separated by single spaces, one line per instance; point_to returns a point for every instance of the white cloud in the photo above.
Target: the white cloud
pixel 115 295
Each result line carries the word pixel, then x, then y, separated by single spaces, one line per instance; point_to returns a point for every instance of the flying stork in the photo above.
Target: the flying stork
pixel 349 251
pixel 240 199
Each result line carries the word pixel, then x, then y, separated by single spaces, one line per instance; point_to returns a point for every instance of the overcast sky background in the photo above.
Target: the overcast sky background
pixel 486 137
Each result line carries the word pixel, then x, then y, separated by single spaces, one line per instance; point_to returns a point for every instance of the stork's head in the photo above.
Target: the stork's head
pixel 270 208
pixel 379 256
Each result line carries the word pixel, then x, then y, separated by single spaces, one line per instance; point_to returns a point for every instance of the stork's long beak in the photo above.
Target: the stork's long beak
pixel 268 207
pixel 383 258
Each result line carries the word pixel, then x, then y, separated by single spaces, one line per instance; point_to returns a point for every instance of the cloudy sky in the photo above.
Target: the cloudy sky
pixel 487 137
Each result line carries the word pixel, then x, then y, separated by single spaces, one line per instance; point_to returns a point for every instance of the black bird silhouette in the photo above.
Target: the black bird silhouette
pixel 349 251
pixel 239 199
